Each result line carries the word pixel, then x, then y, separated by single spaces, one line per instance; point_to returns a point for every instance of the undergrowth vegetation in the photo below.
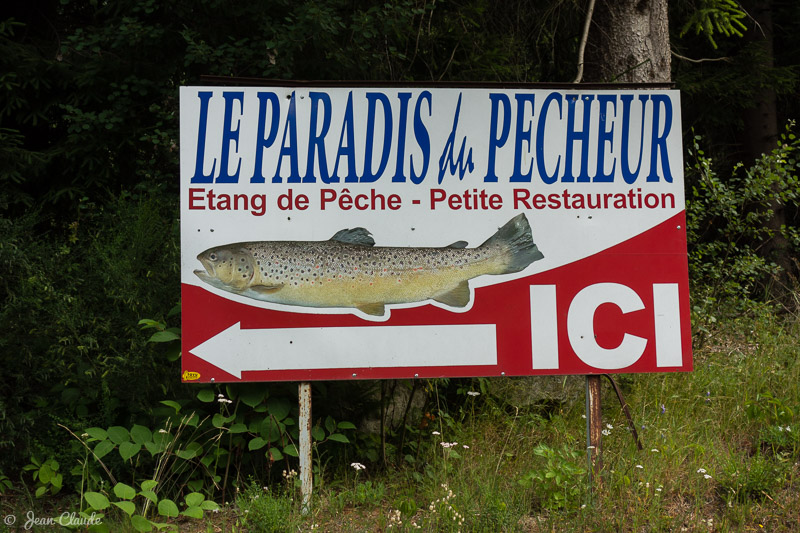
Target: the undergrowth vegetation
pixel 99 434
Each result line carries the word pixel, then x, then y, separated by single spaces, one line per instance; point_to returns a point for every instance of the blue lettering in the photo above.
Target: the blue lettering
pixel 199 177
pixel 627 174
pixel 547 178
pixel 262 143
pixel 349 149
pixel 316 141
pixel 290 151
pixel 423 139
pixel 496 141
pixel 399 174
pixel 659 143
pixel 522 135
pixel 604 137
pixel 372 98
pixel 230 135
pixel 573 136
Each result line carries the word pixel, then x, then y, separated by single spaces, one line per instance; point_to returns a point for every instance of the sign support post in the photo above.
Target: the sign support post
pixel 594 430
pixel 306 476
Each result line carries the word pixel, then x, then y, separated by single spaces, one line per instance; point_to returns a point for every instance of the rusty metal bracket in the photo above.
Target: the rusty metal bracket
pixel 627 411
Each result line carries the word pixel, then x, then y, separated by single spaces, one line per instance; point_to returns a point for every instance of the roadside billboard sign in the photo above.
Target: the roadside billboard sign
pixel 373 232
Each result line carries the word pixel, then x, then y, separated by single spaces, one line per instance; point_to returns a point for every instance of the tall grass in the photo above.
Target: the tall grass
pixel 721 452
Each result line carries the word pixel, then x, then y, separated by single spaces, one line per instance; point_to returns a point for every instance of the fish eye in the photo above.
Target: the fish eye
pixel 212 256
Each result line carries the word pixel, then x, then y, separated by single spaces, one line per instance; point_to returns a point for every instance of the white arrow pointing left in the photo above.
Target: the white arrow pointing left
pixel 236 350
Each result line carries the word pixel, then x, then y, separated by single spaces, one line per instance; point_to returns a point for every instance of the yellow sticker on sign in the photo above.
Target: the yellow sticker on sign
pixel 190 376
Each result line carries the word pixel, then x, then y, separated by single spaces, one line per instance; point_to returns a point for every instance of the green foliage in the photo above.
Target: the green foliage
pixel 557 481
pixel 727 223
pixel 264 511
pixel 72 294
pixel 45 475
pixel 720 16
pixel 750 478
pixel 140 507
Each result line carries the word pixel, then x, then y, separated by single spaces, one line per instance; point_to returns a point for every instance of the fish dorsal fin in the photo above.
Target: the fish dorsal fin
pixel 266 289
pixel 456 297
pixel 374 309
pixel 458 244
pixel 358 236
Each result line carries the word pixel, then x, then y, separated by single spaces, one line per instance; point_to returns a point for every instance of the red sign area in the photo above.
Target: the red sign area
pixel 625 309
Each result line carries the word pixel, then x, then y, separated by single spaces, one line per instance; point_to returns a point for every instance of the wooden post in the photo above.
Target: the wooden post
pixel 594 423
pixel 306 477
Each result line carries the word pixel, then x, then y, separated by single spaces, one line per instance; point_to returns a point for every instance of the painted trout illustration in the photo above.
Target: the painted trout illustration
pixel 349 271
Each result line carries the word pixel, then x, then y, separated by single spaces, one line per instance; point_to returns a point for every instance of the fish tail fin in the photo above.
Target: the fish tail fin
pixel 516 239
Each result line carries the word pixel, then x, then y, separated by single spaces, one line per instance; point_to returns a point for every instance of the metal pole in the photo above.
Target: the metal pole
pixel 306 478
pixel 594 422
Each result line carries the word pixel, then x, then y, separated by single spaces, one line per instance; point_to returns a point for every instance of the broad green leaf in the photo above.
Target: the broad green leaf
pixel 118 434
pixel 97 433
pixel 254 395
pixel 193 420
pixel 141 434
pixel 56 482
pixel 274 454
pixel 153 448
pixel 209 505
pixel 279 407
pixel 273 430
pixel 218 420
pixel 162 440
pixel 338 437
pixel 102 448
pixel 150 323
pixel 163 336
pixel 318 433
pixel 193 449
pixel 150 495
pixel 346 425
pixel 124 492
pixel 238 428
pixel 40 491
pixel 45 473
pixel 193 512
pixel 290 449
pixel 96 500
pixel 205 395
pixel 128 450
pixel 98 528
pixel 194 499
pixel 170 403
pixel 149 484
pixel 256 444
pixel 167 508
pixel 330 424
pixel 141 523
pixel 126 506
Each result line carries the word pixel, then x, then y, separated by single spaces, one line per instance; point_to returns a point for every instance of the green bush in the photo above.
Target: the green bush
pixel 728 226
pixel 73 291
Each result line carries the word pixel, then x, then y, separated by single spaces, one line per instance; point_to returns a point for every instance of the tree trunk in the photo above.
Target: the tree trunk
pixel 760 137
pixel 629 42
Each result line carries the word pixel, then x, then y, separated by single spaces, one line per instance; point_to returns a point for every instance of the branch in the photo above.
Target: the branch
pixel 584 38
pixel 726 59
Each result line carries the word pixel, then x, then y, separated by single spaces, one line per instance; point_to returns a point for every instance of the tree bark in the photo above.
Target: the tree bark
pixel 760 137
pixel 629 42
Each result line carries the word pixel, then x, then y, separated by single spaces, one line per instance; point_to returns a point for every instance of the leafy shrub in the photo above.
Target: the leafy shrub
pixel 728 225
pixel 265 511
pixel 558 481
pixel 73 291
